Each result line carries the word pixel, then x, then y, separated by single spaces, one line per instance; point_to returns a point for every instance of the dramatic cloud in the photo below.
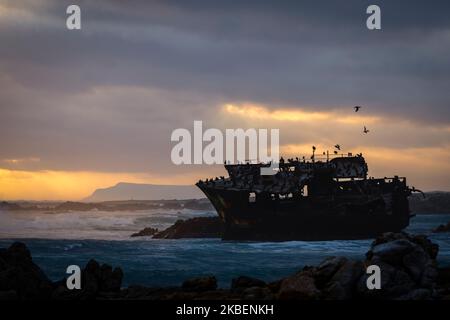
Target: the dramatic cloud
pixel 105 99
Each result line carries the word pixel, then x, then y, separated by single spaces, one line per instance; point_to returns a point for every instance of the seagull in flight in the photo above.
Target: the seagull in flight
pixel 338 147
pixel 357 108
pixel 365 130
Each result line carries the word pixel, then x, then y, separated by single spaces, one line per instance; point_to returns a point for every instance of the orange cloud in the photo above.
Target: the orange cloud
pixel 259 112
pixel 426 168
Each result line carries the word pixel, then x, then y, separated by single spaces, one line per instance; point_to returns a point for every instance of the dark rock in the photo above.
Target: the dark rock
pixel 417 294
pixel 243 282
pixel 275 285
pixel 392 252
pixel 18 273
pixel 200 284
pixel 394 283
pixel 344 281
pixel 444 276
pixel 408 272
pixel 8 295
pixel 415 262
pixel 408 267
pixel 257 293
pixel 429 276
pixel 431 248
pixel 443 228
pixel 327 269
pixel 200 227
pixel 300 286
pixel 146 232
pixel 96 282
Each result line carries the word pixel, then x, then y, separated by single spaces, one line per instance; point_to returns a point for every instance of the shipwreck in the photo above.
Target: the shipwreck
pixel 317 199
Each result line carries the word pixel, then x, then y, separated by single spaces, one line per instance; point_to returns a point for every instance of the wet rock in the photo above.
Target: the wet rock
pixel 392 252
pixel 417 294
pixel 243 282
pixel 257 293
pixel 275 286
pixel 408 267
pixel 431 248
pixel 20 274
pixel 200 284
pixel 96 281
pixel 394 283
pixel 429 276
pixel 8 295
pixel 327 269
pixel 300 286
pixel 200 227
pixel 443 228
pixel 343 282
pixel 146 232
pixel 408 272
pixel 415 262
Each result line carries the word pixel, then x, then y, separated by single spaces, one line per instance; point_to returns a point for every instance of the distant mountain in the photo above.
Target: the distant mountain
pixel 137 191
pixel 433 202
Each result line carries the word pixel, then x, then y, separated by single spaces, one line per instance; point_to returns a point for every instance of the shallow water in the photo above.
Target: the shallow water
pixel 57 241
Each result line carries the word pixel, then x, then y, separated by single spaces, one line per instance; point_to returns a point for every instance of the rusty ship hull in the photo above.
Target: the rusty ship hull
pixel 314 218
pixel 339 204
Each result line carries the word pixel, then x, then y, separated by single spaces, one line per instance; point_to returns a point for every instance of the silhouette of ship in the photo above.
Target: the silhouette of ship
pixel 326 199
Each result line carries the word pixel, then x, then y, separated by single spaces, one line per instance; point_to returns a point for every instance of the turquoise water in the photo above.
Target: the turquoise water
pixel 157 262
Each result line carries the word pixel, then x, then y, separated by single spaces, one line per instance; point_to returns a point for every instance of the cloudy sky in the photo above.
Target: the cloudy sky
pixel 82 109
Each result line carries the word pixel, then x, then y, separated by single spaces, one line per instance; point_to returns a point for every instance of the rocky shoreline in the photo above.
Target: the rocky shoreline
pixel 408 272
pixel 198 227
pixel 208 227
pixel 442 228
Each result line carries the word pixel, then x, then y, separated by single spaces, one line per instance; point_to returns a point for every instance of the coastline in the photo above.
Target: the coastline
pixel 336 278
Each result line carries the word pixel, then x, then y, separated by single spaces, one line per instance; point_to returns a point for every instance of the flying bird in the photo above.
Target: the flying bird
pixel 357 108
pixel 365 130
pixel 338 147
pixel 335 152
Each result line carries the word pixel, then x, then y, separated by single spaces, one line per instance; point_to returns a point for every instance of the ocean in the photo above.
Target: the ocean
pixel 57 240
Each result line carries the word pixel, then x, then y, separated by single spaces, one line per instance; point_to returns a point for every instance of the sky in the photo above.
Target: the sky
pixel 84 109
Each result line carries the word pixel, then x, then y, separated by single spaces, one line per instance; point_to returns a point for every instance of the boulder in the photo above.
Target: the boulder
pixel 392 252
pixel 146 232
pixel 394 283
pixel 431 248
pixel 243 282
pixel 415 262
pixel 342 284
pixel 442 228
pixel 327 269
pixel 300 286
pixel 200 284
pixel 417 294
pixel 96 281
pixel 199 227
pixel 257 293
pixel 19 274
